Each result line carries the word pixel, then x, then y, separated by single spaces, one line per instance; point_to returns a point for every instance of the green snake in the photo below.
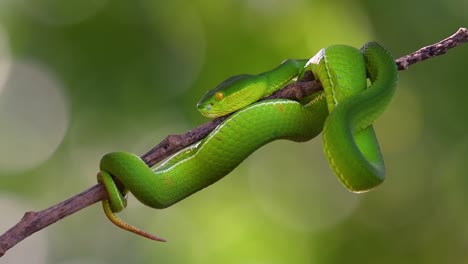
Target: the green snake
pixel 344 111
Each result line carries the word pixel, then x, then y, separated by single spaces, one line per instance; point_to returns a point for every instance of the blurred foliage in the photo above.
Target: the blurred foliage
pixel 131 72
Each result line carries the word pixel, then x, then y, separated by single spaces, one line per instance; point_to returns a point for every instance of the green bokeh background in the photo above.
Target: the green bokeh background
pixel 131 72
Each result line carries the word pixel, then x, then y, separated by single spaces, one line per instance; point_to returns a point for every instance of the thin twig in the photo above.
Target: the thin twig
pixel 439 48
pixel 35 221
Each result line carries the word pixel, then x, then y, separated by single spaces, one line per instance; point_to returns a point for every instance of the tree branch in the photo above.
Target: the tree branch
pixel 35 221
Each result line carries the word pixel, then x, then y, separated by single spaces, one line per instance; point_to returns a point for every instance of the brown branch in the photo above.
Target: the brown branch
pixel 35 221
pixel 173 143
pixel 439 48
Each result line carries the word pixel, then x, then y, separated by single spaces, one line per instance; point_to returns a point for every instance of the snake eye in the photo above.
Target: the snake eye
pixel 219 96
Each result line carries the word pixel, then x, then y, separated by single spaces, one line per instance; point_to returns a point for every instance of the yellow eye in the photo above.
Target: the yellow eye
pixel 219 96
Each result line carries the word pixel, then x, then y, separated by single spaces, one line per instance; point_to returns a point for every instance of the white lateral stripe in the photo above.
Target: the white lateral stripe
pixel 333 85
pixel 213 133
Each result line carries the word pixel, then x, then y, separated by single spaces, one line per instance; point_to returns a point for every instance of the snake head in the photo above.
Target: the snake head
pixel 231 95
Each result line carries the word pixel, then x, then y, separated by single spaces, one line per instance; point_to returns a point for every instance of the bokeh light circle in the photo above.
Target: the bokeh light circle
pixel 294 185
pixel 33 117
pixel 5 58
pixel 31 250
pixel 60 13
